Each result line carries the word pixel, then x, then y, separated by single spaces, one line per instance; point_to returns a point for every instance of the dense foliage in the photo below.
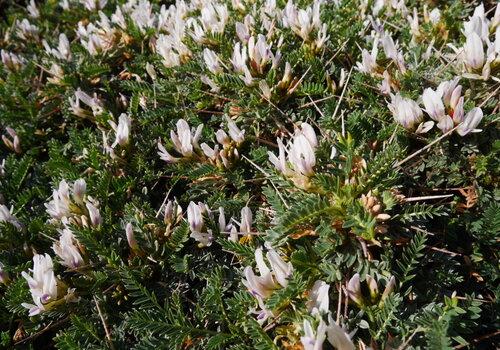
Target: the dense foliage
pixel 212 174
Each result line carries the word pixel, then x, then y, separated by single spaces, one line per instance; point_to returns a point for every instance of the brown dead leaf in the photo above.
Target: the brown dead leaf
pixel 20 334
pixel 471 197
pixel 302 233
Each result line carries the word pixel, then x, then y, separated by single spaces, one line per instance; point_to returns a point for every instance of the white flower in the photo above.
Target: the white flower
pixel 264 313
pixel 433 104
pixel 319 300
pixel 64 4
pixel 388 288
pixel 478 23
pixel 222 220
pixel 96 39
pixel 238 5
pixel 14 142
pixel 302 22
pixel 495 21
pixel 33 10
pixel 446 106
pixel 269 279
pixel 211 153
pixel 95 216
pixel 243 29
pixel 385 86
pixel 11 61
pixel 227 228
pixel 213 86
pixel 122 130
pixel 222 137
pixel 338 337
pixel 172 212
pixel 368 62
pixel 265 89
pixel 106 147
pixel 204 239
pixel 63 51
pixel 196 223
pixel 471 121
pixel 246 220
pixel 239 58
pixel 93 5
pixel 67 250
pixel 473 52
pixel 185 141
pixel 195 216
pixel 164 155
pixel 260 54
pixel 405 111
pixel 322 37
pixel 391 51
pixel 414 25
pixel 142 15
pixel 197 33
pixel 129 232
pixel 172 49
pixel 6 216
pixel 58 207
pixel 150 69
pixel 450 92
pixel 287 75
pixel 63 208
pixel 301 156
pixel 212 61
pixel 235 133
pixel 354 289
pixel 313 340
pixel 79 190
pixel 57 74
pixel 214 17
pixel 435 16
pixel 93 102
pixel 42 284
pixel 247 77
pixel 26 30
pixel 425 127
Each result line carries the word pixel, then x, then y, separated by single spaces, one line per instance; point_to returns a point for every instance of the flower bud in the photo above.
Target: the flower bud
pixel 354 290
pixel 129 231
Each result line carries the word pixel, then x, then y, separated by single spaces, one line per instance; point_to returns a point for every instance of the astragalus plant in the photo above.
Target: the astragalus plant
pixel 249 174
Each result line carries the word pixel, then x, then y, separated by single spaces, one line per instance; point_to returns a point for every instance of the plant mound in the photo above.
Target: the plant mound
pixel 214 174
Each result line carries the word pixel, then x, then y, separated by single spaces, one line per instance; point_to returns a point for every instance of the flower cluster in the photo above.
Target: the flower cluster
pixel 445 106
pixel 196 214
pixel 67 248
pixel 46 290
pixel 186 142
pixel 73 206
pixel 479 55
pixel 249 158
pixel 356 294
pixel 297 159
pixel 270 279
